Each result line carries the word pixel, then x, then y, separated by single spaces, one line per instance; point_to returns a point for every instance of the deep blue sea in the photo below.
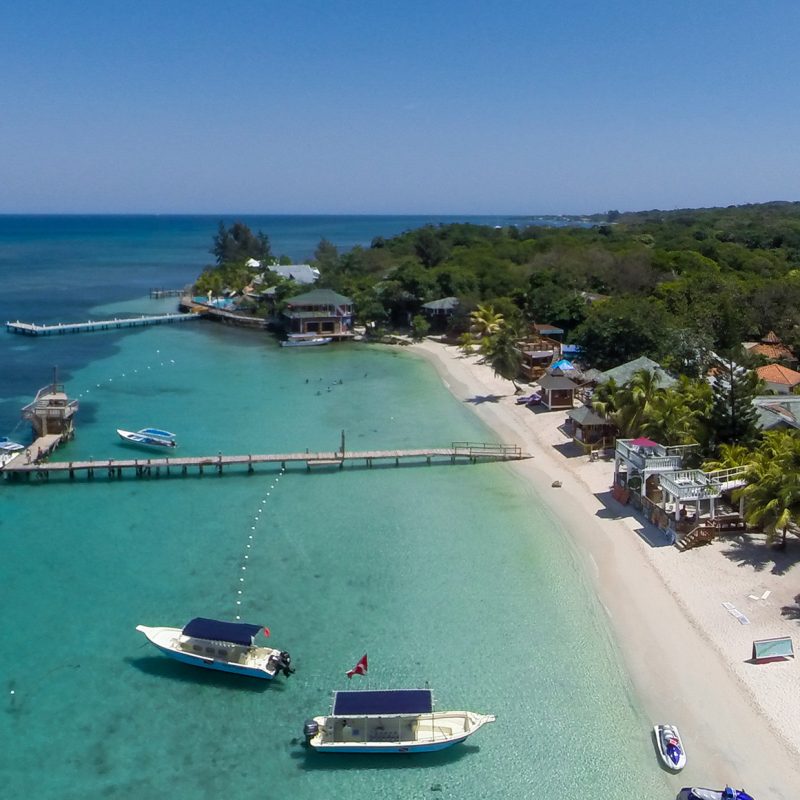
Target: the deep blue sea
pixel 450 576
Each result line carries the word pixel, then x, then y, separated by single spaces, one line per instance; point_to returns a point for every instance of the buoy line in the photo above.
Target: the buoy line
pixel 251 540
pixel 103 384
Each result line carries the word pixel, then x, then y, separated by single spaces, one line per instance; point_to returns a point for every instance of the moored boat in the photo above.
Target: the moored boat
pixel 224 646
pixel 304 340
pixel 156 433
pixel 670 746
pixel 728 793
pixel 143 439
pixel 7 446
pixel 394 721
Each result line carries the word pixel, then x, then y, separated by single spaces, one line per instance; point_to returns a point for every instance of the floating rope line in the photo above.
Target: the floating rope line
pixel 135 371
pixel 251 539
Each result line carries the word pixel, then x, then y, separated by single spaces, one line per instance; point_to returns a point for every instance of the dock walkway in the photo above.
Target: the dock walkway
pixel 156 467
pixel 31 329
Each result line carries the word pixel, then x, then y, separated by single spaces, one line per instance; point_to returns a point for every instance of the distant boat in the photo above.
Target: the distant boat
pixel 7 446
pixel 304 340
pixel 670 746
pixel 157 433
pixel 225 646
pixel 396 721
pixel 144 439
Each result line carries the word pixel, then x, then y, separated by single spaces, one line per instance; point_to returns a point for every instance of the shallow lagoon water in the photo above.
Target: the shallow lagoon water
pixel 448 576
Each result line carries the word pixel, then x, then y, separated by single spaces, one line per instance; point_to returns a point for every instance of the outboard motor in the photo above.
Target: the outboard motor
pixel 310 729
pixel 283 663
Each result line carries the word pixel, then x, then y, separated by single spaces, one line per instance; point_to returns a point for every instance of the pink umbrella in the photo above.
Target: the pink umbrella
pixel 643 441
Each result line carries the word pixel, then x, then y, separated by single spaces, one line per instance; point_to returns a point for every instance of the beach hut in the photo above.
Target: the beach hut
pixel 320 312
pixel 589 429
pixel 558 391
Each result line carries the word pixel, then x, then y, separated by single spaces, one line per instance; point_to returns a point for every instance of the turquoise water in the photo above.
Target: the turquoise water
pixel 452 576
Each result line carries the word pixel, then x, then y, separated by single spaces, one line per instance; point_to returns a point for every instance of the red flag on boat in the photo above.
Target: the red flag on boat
pixel 360 668
pixel 266 631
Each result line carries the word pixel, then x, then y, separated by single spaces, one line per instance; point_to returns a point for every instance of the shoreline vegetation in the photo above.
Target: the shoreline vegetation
pixel 712 298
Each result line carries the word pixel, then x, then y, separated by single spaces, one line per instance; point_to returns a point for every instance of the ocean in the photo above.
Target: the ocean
pixel 453 577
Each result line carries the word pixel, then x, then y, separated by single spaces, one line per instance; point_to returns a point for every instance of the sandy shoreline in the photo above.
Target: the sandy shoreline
pixel 686 655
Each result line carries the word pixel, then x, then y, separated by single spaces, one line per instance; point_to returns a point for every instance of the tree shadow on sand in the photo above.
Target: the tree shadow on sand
pixel 752 550
pixel 487 398
pixel 792 612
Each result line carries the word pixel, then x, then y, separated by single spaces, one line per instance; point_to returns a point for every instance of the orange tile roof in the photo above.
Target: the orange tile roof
pixel 776 351
pixel 775 373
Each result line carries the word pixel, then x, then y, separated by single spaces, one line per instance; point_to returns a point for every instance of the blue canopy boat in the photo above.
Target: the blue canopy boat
pixel 393 721
pixel 148 437
pixel 225 646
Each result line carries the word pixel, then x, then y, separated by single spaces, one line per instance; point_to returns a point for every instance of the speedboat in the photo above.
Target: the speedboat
pixel 728 793
pixel 395 721
pixel 670 746
pixel 7 446
pixel 144 439
pixel 225 646
pixel 157 433
pixel 304 340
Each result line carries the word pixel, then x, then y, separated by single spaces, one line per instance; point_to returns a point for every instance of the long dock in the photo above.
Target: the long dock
pixel 31 329
pixel 458 452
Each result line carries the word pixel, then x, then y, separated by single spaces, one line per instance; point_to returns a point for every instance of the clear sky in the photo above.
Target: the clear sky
pixel 421 106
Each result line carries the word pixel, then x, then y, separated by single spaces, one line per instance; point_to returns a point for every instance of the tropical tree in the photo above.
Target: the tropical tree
pixel 504 356
pixel 419 327
pixel 733 414
pixel 467 343
pixel 485 321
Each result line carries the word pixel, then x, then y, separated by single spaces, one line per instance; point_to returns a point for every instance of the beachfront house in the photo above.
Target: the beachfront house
pixel 557 390
pixel 438 312
pixel 321 312
pixel 303 274
pixel 623 374
pixel 538 353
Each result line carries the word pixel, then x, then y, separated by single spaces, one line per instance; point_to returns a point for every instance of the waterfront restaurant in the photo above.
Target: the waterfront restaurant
pixel 321 312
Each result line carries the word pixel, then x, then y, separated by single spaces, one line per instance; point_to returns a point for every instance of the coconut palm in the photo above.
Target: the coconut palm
pixel 670 420
pixel 504 355
pixel 730 455
pixel 486 322
pixel 772 494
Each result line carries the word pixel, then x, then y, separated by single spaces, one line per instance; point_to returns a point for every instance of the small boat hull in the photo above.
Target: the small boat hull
pixel 314 341
pixel 432 732
pixel 670 747
pixel 695 793
pixel 253 662
pixel 139 439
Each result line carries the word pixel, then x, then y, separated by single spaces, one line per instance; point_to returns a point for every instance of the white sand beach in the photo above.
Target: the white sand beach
pixel 687 655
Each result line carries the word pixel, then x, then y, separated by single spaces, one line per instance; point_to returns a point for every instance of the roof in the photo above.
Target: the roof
pixel 233 632
pixel 570 349
pixel 302 273
pixel 445 304
pixel 398 701
pixel 774 351
pixel 545 329
pixel 778 412
pixel 771 338
pixel 777 373
pixel 556 380
pixel 625 372
pixel 584 415
pixel 319 297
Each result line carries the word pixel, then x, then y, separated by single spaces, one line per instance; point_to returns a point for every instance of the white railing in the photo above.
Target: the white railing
pixel 690 484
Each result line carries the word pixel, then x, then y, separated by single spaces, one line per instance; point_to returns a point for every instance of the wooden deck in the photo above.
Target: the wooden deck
pixel 459 452
pixel 59 328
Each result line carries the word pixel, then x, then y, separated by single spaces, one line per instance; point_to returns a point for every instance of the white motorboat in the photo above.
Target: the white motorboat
pixel 304 340
pixel 144 439
pixel 7 446
pixel 225 646
pixel 670 746
pixel 396 721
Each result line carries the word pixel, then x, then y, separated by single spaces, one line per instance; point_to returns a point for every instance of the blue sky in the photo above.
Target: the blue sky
pixel 397 107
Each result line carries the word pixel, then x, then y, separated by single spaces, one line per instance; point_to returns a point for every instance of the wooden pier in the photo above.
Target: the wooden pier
pixel 31 329
pixel 458 452
pixel 158 294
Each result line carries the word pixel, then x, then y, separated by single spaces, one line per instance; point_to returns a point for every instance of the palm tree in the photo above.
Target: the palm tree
pixel 504 355
pixel 670 420
pixel 730 455
pixel 486 322
pixel 772 494
pixel 466 343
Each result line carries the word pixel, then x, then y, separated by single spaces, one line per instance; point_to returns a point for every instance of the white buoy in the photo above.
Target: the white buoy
pixel 241 580
pixel 244 567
